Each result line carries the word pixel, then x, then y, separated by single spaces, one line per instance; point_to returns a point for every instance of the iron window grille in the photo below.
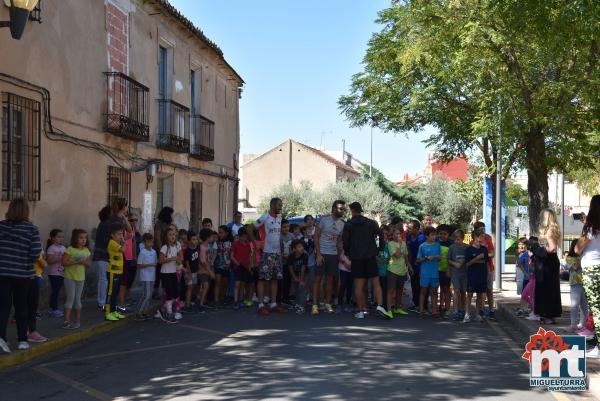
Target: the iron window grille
pixel 195 205
pixel 119 184
pixel 36 13
pixel 127 107
pixel 21 137
pixel 203 138
pixel 173 126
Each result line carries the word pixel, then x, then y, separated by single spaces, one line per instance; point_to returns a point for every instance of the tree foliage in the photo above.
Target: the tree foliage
pixel 518 80
pixel 444 201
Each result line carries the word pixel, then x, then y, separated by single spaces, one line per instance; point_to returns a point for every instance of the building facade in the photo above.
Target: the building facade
pixel 117 98
pixel 290 162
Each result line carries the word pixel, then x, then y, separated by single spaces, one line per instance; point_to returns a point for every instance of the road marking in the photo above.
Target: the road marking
pixel 189 326
pixel 133 351
pixel 84 388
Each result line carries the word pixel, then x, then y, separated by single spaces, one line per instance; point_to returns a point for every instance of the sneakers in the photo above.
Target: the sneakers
pixel 263 310
pixel 314 310
pixel 111 317
pixel 299 309
pixel 573 329
pixel 56 313
pixel 328 308
pixel 399 311
pixel 171 319
pixel 467 318
pixel 279 309
pixel 248 303
pixel 158 314
pixel 492 316
pixel 36 337
pixel 177 316
pixel 360 315
pixel 533 316
pixel 348 309
pixel 383 313
pixel 66 325
pixel 588 334
pixel 4 346
pixel 479 319
pixel 75 325
pixel 455 316
pixel 593 354
pixel 24 345
pixel 119 315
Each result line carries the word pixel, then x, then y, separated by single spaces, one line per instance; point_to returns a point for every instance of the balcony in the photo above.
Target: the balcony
pixel 127 107
pixel 173 126
pixel 202 138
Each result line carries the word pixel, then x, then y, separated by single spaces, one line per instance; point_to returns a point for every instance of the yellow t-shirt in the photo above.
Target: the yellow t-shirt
pixel 115 257
pixel 39 269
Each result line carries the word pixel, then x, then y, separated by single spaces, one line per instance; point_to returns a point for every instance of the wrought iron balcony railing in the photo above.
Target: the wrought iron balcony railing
pixel 202 138
pixel 173 126
pixel 127 107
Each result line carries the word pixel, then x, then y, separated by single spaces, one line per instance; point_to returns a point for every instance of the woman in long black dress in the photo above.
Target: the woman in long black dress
pixel 547 286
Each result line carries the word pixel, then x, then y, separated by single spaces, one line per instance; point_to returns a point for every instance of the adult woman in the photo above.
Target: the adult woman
pixel 20 247
pixel 547 284
pixel 100 259
pixel 588 246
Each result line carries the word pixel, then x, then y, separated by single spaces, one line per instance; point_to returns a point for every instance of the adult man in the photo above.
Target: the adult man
pixel 489 244
pixel 236 224
pixel 326 237
pixel 359 238
pixel 427 221
pixel 414 239
pixel 270 268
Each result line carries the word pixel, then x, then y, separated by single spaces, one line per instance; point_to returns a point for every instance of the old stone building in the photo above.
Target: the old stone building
pixel 113 98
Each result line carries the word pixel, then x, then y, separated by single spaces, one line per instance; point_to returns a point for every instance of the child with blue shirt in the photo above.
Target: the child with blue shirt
pixel 523 262
pixel 476 257
pixel 429 256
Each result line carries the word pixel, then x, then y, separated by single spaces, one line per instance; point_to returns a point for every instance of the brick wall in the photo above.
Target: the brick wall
pixel 117 25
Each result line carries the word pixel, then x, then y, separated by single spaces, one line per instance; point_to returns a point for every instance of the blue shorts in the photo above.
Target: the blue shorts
pixel 429 282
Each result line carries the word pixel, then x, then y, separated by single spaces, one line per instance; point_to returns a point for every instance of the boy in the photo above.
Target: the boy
pixel 414 239
pixel 114 270
pixel 383 261
pixel 297 263
pixel 458 273
pixel 242 259
pixel 429 256
pixel 476 257
pixel 285 240
pixel 522 274
pixel 489 245
pixel 205 269
pixel 146 265
pixel 444 231
pixel 191 260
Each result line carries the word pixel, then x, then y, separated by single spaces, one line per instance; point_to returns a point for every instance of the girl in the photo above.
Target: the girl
pixel 222 262
pixel 254 237
pixel 547 289
pixel 33 297
pixel 75 260
pixel 171 256
pixel 578 301
pixel 397 272
pixel 54 254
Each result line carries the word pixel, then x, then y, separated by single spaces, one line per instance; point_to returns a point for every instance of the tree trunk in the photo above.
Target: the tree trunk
pixel 537 176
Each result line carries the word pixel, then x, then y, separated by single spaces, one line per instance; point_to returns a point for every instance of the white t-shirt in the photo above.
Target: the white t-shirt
pixel 235 228
pixel 169 252
pixel 591 254
pixel 146 257
pixel 331 229
pixel 270 232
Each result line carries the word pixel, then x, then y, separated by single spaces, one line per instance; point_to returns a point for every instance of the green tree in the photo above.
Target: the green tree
pixel 512 79
pixel 442 199
pixel 516 193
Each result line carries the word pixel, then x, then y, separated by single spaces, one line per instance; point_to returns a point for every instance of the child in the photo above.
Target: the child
pixel 445 242
pixel 116 245
pixel 383 260
pixel 523 269
pixel 33 298
pixel 286 240
pixel 578 300
pixel 528 293
pixel 308 230
pixel 75 260
pixel 170 258
pixel 146 265
pixel 243 260
pixel 54 254
pixel 428 257
pixel 295 230
pixel 192 265
pixel 297 262
pixel 346 279
pixel 476 257
pixel 222 263
pixel 397 272
pixel 205 270
pixel 458 274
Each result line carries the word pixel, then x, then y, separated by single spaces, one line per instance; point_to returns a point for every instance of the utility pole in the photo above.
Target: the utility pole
pixel 371 164
pixel 499 239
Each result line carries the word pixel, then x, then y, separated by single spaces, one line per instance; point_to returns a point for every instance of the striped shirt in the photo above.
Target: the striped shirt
pixel 20 247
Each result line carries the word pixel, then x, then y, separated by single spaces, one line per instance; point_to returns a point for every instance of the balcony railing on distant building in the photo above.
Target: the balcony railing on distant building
pixel 127 103
pixel 173 126
pixel 202 138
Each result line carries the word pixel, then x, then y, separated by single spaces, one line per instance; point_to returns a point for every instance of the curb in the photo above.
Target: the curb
pixel 19 357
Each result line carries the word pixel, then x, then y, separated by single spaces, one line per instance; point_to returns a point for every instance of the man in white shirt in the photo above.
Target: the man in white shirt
pixel 270 268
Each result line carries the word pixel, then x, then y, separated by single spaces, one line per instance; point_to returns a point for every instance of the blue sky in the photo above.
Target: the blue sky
pixel 297 58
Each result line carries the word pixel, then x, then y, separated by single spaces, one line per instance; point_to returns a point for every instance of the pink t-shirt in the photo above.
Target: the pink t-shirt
pixel 169 252
pixel 54 251
pixel 130 245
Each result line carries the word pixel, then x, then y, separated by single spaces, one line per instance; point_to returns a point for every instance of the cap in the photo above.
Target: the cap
pixel 356 207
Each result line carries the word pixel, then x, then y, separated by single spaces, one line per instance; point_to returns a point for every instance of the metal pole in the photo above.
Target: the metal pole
pixel 562 212
pixel 371 165
pixel 498 234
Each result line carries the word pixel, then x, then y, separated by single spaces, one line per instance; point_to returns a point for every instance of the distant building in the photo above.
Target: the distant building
pixel 456 169
pixel 291 162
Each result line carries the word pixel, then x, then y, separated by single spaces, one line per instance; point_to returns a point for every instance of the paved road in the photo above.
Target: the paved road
pixel 230 355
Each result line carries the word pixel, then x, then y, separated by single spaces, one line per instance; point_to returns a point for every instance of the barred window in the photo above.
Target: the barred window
pixel 119 184
pixel 21 136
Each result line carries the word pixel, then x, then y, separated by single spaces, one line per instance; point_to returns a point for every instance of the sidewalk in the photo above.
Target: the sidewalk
pixel 92 324
pixel 507 301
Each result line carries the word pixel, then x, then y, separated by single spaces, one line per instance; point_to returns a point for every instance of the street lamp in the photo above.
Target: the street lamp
pixel 19 13
pixel 364 104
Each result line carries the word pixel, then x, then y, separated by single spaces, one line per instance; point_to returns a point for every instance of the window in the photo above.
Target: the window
pixel 162 86
pixel 195 205
pixel 119 184
pixel 21 130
